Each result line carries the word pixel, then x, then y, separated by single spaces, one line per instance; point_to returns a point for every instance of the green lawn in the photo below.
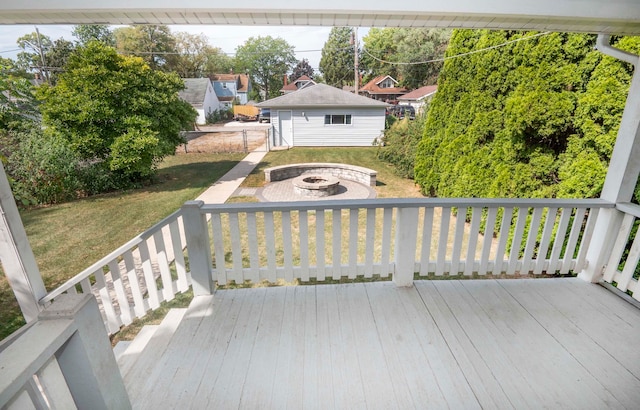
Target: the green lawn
pixel 67 238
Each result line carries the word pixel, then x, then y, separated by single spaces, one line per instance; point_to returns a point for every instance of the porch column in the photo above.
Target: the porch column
pixel 16 256
pixel 623 171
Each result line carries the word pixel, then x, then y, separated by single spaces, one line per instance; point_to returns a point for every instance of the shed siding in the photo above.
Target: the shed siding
pixel 309 130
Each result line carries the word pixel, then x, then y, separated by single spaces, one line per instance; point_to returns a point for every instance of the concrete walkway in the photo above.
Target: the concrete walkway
pixel 223 188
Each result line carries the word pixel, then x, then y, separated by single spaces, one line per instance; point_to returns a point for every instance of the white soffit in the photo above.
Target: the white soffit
pixel 597 16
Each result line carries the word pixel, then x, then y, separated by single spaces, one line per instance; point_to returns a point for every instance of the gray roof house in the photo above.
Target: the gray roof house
pixel 200 94
pixel 321 115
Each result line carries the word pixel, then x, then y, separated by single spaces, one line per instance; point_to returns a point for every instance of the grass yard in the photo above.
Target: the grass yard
pixel 67 238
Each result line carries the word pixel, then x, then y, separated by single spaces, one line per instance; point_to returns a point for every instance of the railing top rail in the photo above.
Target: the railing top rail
pixel 104 261
pixel 406 203
pixel 629 208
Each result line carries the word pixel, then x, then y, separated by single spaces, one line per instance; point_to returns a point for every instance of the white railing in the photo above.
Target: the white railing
pixel 62 361
pixel 383 237
pixel 332 240
pixel 622 269
pixel 136 277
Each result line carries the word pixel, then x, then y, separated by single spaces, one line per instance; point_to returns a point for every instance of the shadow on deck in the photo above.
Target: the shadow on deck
pixel 458 344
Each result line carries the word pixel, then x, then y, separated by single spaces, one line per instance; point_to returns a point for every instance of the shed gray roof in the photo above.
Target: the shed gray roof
pixel 195 90
pixel 321 95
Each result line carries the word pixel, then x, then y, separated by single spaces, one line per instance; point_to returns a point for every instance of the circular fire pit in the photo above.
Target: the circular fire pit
pixel 316 185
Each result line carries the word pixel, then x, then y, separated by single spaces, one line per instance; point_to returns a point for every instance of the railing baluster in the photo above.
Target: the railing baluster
pixel 320 256
pixel 218 249
pixel 487 240
pixel 287 248
pixel 552 214
pixel 443 241
pixel 304 245
pixel 461 219
pixel 270 242
pixel 531 243
pixel 149 276
pixel 505 227
pixel 514 255
pixel 353 241
pixel 236 247
pixel 254 257
pixel 113 321
pixel 138 300
pixel 425 252
pixel 336 252
pixel 370 243
pixel 386 242
pixel 573 240
pixel 630 265
pixel 558 242
pixel 123 303
pixel 182 283
pixel 618 248
pixel 586 239
pixel 472 244
pixel 168 292
pixel 54 387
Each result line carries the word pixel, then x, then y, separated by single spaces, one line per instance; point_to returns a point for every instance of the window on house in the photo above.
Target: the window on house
pixel 337 119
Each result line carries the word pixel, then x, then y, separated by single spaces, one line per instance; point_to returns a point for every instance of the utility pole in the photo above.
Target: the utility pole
pixel 355 60
pixel 43 70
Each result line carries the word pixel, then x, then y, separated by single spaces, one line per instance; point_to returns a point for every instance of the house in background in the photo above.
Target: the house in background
pixel 321 115
pixel 230 87
pixel 418 98
pixel 302 82
pixel 200 94
pixel 383 88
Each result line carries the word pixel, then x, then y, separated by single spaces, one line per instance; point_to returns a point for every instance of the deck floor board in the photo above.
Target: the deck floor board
pixel 527 343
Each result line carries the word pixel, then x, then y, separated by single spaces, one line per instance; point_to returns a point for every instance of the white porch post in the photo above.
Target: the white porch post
pixel 17 258
pixel 623 171
pixel 86 360
pixel 196 232
pixel 405 249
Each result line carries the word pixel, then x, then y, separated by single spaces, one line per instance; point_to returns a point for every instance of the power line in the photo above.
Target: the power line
pixel 437 60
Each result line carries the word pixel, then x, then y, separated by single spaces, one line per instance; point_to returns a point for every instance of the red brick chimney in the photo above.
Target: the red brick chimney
pixel 286 80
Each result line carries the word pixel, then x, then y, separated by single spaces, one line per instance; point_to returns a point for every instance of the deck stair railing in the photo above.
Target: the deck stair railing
pixel 322 241
pixel 622 270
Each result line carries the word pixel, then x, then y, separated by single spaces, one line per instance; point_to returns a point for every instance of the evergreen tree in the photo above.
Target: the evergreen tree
pixel 337 61
pixel 302 68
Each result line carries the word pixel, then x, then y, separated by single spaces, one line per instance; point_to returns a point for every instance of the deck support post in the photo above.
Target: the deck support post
pixel 623 171
pixel 405 247
pixel 86 359
pixel 198 247
pixel 16 256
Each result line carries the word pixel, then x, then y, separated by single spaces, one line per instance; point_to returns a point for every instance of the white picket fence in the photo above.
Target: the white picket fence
pixel 622 267
pixel 324 241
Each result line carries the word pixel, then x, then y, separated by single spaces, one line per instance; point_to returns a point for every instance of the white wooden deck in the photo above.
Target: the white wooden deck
pixel 514 343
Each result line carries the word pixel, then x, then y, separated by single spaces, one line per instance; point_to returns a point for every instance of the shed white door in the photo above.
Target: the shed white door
pixel 286 128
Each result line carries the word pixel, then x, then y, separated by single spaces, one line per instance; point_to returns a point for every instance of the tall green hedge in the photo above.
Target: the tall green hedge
pixel 534 118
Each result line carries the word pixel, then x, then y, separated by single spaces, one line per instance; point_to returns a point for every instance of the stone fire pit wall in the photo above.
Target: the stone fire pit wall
pixel 362 175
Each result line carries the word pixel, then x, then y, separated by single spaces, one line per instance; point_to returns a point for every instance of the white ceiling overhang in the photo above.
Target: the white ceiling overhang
pixel 597 16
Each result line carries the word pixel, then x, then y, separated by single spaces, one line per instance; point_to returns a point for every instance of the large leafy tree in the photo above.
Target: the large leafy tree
pixel 399 52
pixel 195 57
pixel 337 61
pixel 152 43
pixel 84 33
pixel 302 68
pixel 266 60
pixel 116 110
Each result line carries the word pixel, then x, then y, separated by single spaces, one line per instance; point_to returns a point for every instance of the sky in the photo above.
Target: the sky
pixel 306 40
